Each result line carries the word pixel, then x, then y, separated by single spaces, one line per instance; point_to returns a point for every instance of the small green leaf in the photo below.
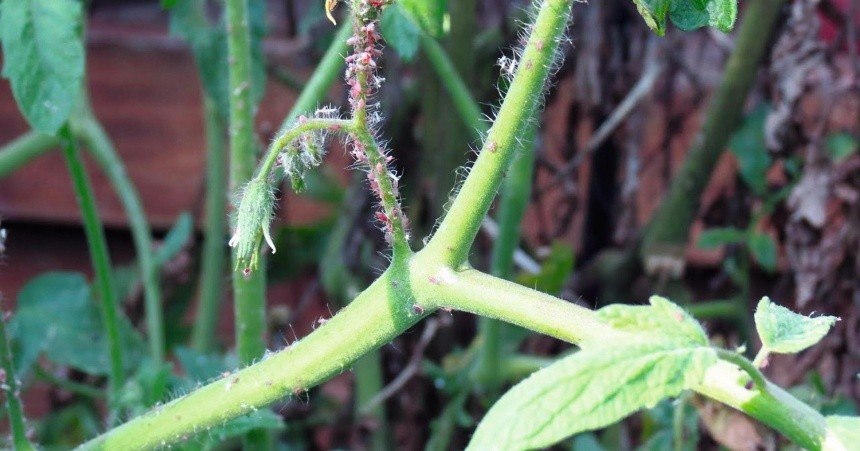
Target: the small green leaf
pixel 554 270
pixel 748 146
pixel 718 236
pixel 785 332
pixel 175 239
pixel 841 146
pixel 654 12
pixel 58 316
pixel 842 430
pixel 692 14
pixel 662 320
pixel 43 58
pixel 722 14
pixel 429 14
pixel 763 249
pixel 588 390
pixel 400 32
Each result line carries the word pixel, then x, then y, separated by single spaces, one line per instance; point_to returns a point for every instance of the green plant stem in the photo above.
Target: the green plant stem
pixel 408 292
pixel 374 318
pixel 385 310
pixel 513 201
pixel 24 149
pixel 746 365
pixel 466 105
pixel 328 70
pixel 12 386
pixel 293 131
pixel 66 384
pixel 249 292
pixel 368 382
pixel 452 241
pixel 101 264
pixel 670 226
pixel 728 308
pixel 87 127
pixel 519 366
pixel 212 258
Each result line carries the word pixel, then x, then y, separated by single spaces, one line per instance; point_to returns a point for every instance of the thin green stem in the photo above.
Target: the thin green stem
pixel 387 192
pixel 670 226
pixel 727 308
pixel 101 264
pixel 454 237
pixel 466 105
pixel 87 127
pixel 746 365
pixel 760 357
pixel 294 131
pixel 249 293
pixel 12 386
pixel 66 384
pixel 513 201
pixel 328 70
pixel 24 149
pixel 212 258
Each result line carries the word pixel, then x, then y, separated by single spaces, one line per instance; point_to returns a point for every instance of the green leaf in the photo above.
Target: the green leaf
pixel 718 236
pixel 785 332
pixel 842 430
pixel 43 58
pixel 58 316
pixel 654 12
pixel 175 239
pixel 662 320
pixel 763 249
pixel 428 14
pixel 554 271
pixel 748 146
pixel 588 390
pixel 841 146
pixel 400 32
pixel 200 368
pixel 692 14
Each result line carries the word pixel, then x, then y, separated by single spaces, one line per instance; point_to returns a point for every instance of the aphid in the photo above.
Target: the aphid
pixel 508 65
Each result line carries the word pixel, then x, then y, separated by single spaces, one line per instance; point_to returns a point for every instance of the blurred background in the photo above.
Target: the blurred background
pixel 779 216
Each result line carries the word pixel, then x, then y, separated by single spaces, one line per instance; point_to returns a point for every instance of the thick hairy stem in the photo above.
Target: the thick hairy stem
pixel 249 292
pixel 454 237
pixel 374 318
pixel 669 228
pixel 101 264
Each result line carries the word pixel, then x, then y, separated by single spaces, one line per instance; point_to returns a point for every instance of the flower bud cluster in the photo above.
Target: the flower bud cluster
pixel 253 219
pixel 306 151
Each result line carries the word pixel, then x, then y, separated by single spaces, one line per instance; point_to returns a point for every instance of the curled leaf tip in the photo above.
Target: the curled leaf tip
pixel 329 7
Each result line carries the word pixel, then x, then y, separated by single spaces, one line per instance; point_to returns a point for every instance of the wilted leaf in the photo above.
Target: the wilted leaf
pixel 43 58
pixel 785 332
pixel 588 390
pixel 662 320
